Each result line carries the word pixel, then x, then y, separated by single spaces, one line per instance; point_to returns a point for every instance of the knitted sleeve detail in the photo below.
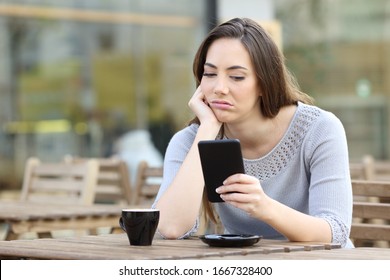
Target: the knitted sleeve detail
pixel 270 165
pixel 340 232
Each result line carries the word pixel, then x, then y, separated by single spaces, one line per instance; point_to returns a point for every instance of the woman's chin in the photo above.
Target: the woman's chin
pixel 223 120
pixel 223 116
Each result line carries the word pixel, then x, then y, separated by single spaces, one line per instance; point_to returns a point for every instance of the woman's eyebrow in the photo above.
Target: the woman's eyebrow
pixel 229 68
pixel 210 65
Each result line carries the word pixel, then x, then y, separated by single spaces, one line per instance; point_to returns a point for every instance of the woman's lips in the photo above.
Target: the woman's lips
pixel 220 104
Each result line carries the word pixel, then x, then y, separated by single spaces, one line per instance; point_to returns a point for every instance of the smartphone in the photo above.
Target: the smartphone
pixel 219 160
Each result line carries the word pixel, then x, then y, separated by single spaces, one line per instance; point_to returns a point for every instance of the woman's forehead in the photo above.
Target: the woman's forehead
pixel 228 52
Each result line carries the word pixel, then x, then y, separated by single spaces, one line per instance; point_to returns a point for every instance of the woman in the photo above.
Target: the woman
pixel 297 183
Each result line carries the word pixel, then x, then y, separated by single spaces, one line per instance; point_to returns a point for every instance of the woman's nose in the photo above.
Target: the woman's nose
pixel 221 86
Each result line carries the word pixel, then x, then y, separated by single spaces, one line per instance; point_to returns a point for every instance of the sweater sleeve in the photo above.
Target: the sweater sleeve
pixel 330 191
pixel 176 152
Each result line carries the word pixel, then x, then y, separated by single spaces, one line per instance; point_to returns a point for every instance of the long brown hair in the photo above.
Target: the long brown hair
pixel 278 86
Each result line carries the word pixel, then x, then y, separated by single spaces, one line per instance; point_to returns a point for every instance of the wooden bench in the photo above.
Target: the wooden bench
pixel 371 213
pixel 147 184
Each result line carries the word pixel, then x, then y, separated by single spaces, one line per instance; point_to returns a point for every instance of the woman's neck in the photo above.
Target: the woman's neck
pixel 258 137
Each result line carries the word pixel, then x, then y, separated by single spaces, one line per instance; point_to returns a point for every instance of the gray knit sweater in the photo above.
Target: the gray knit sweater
pixel 308 170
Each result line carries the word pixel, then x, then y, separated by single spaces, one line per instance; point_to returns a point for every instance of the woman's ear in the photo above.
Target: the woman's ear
pixel 259 91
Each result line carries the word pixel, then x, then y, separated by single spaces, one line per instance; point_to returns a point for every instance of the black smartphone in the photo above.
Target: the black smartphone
pixel 219 160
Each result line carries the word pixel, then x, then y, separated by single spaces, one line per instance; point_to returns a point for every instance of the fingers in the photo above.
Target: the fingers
pixel 236 197
pixel 241 179
pixel 244 192
pixel 240 187
pixel 199 106
pixel 198 94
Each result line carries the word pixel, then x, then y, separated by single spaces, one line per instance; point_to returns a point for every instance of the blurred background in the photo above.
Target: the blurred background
pixel 78 77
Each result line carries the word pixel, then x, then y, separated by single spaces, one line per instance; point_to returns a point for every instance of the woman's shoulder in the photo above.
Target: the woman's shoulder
pixel 314 115
pixel 186 135
pixel 188 131
pixel 318 123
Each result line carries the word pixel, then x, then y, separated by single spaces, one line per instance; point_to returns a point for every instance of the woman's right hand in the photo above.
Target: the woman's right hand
pixel 201 109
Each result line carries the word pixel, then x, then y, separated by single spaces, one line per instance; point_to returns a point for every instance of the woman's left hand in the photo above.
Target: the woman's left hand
pixel 245 192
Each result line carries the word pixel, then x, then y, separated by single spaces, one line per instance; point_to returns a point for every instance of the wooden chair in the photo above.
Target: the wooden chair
pixel 114 185
pixel 148 182
pixel 113 180
pixel 59 182
pixel 381 170
pixel 371 214
pixel 370 169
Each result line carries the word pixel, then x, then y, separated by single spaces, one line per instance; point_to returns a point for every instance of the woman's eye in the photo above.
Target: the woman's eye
pixel 209 74
pixel 237 78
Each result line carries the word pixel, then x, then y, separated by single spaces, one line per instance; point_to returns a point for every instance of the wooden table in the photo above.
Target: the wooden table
pixel 359 253
pixel 24 217
pixel 111 255
pixel 116 247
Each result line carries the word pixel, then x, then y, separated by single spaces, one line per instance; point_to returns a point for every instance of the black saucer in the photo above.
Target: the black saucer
pixel 230 240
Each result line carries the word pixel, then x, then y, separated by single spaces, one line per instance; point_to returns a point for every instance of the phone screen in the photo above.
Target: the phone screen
pixel 219 160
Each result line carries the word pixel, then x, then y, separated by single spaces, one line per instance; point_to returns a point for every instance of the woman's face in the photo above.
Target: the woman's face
pixel 229 82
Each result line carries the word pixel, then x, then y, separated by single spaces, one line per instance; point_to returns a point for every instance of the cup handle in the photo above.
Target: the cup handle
pixel 121 224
